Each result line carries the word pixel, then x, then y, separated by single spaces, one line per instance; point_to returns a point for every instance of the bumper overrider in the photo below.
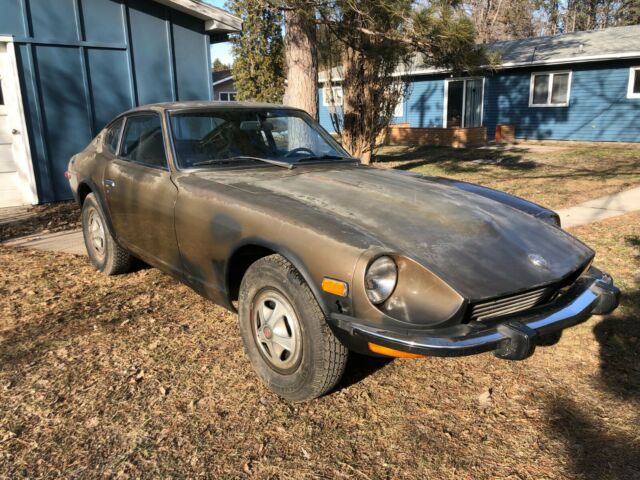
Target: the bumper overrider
pixel 513 337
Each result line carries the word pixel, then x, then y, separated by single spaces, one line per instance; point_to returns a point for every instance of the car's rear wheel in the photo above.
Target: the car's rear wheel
pixel 285 333
pixel 104 252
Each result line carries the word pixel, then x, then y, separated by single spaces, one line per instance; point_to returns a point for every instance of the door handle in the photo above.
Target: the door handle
pixel 15 131
pixel 109 183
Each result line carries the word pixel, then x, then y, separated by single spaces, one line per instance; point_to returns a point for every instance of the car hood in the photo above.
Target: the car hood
pixel 482 248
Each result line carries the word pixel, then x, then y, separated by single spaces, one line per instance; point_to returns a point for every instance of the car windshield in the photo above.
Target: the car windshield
pixel 242 136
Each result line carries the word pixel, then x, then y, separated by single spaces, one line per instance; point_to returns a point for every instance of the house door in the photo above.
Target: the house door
pixel 463 103
pixel 17 185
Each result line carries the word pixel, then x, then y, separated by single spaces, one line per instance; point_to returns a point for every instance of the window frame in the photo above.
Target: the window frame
pixel 551 74
pixel 633 72
pixel 107 129
pixel 445 102
pixel 333 88
pixel 228 96
pixel 164 143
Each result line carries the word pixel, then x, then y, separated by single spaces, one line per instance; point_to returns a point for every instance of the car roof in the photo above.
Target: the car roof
pixel 204 105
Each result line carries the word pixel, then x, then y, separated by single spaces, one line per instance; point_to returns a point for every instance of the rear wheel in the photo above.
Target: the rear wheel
pixel 285 333
pixel 104 252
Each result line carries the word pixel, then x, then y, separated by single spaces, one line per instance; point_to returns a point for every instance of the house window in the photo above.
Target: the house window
pixel 399 110
pixel 550 89
pixel 332 96
pixel 227 96
pixel 634 83
pixel 463 103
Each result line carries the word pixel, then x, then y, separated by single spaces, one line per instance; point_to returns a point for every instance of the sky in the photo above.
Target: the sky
pixel 220 50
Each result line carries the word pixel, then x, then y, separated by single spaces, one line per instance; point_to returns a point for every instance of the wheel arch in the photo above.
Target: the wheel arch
pixel 251 250
pixel 87 186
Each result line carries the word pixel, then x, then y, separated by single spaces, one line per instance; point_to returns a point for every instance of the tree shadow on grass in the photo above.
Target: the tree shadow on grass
pixel 595 452
pixel 619 339
pixel 455 160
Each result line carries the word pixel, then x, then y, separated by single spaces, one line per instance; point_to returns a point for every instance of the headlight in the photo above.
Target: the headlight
pixel 381 279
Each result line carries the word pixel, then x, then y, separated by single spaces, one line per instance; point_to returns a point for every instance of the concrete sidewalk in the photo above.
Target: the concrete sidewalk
pixel 601 208
pixel 70 241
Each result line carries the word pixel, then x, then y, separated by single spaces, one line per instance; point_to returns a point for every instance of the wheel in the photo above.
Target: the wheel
pixel 104 252
pixel 285 334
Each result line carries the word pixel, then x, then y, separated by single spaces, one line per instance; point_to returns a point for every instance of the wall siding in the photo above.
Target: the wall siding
pixel 422 107
pixel 82 62
pixel 598 110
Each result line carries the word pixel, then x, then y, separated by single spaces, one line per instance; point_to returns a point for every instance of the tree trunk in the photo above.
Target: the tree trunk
pixel 355 136
pixel 302 62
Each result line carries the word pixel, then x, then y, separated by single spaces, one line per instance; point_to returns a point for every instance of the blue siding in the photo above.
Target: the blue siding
pixel 598 110
pixel 81 62
pixel 422 106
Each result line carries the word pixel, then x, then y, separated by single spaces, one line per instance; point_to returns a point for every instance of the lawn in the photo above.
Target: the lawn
pixel 553 175
pixel 136 375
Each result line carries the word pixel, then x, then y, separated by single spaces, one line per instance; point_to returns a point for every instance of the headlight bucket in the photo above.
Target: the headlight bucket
pixel 380 279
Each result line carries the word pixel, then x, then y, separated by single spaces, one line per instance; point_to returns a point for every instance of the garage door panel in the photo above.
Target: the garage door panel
pixel 65 109
pixel 110 86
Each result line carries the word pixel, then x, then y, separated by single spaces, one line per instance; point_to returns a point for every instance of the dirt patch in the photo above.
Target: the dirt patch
pixel 53 217
pixel 553 176
pixel 136 375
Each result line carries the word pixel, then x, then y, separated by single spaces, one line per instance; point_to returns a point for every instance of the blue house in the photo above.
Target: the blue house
pixel 67 67
pixel 580 86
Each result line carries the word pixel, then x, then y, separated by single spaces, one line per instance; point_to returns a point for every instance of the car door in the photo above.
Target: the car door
pixel 140 193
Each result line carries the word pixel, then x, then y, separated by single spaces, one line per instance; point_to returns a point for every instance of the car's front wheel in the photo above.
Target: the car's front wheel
pixel 104 252
pixel 285 333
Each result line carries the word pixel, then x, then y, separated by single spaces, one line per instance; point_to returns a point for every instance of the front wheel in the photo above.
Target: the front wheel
pixel 285 333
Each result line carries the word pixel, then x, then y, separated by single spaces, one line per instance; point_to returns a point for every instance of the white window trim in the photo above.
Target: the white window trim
pixel 549 89
pixel 228 93
pixel 633 71
pixel 464 95
pixel 325 100
pixel 398 111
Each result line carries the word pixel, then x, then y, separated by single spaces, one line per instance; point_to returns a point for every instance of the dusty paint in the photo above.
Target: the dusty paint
pixel 454 243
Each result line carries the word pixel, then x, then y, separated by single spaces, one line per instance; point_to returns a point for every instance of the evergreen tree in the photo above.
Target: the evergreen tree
pixel 218 66
pixel 258 67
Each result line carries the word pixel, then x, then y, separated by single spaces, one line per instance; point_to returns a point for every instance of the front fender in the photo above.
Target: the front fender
pixel 518 203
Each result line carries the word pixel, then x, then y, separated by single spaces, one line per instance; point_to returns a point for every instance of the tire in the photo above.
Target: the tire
pixel 104 252
pixel 276 308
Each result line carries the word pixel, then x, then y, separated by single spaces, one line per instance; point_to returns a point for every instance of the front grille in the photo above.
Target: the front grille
pixel 511 304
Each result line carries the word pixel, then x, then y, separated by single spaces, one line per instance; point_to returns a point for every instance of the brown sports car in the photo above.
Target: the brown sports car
pixel 259 209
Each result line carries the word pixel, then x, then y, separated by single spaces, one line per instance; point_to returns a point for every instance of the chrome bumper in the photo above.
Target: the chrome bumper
pixel 514 337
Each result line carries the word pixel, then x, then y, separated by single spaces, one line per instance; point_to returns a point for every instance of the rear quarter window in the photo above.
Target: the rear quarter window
pixel 112 136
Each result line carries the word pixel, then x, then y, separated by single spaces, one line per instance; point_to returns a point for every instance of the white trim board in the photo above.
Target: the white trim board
pixel 21 149
pixel 633 72
pixel 222 80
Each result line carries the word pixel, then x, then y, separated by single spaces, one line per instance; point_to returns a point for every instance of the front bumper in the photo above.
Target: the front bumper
pixel 514 337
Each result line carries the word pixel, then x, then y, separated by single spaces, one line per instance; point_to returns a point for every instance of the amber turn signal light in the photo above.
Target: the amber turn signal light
pixel 390 352
pixel 336 287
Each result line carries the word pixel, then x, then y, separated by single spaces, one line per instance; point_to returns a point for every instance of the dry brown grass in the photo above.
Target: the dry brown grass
pixel 553 175
pixel 136 375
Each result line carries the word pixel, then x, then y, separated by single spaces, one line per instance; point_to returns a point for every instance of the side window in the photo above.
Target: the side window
pixel 112 136
pixel 142 141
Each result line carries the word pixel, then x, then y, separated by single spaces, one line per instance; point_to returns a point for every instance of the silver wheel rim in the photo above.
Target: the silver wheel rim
pixel 97 238
pixel 276 330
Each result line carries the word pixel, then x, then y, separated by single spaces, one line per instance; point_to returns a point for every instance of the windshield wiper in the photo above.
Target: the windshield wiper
pixel 215 161
pixel 326 157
